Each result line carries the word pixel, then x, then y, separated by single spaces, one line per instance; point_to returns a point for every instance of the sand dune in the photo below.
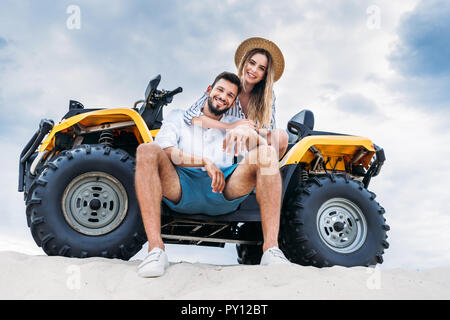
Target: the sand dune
pixel 40 277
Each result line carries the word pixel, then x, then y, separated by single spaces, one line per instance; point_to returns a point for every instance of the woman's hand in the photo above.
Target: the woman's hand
pixel 262 131
pixel 244 122
pixel 242 138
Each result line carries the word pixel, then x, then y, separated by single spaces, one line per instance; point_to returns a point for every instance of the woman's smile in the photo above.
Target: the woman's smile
pixel 256 68
pixel 251 75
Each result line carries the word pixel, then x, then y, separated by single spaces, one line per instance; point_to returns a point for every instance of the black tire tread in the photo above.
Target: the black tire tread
pixel 295 242
pixel 51 242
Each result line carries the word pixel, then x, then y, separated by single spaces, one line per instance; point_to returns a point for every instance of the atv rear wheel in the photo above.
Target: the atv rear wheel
pixel 84 205
pixel 333 220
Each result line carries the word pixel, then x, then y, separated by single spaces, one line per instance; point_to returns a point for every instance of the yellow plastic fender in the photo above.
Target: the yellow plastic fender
pixel 105 118
pixel 337 151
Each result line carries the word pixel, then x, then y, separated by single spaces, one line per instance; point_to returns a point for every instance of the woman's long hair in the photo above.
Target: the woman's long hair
pixel 260 102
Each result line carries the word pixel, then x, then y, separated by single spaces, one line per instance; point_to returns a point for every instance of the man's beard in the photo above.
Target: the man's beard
pixel 215 110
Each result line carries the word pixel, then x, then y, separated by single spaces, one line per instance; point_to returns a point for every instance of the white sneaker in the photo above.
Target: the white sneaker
pixel 273 256
pixel 154 264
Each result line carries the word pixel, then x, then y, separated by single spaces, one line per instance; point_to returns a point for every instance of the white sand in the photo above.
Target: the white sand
pixel 40 277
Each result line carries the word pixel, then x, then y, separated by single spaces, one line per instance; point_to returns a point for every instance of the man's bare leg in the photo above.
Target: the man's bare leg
pixel 152 163
pixel 260 168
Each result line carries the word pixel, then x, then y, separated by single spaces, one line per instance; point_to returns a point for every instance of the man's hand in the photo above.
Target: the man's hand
pixel 242 138
pixel 216 175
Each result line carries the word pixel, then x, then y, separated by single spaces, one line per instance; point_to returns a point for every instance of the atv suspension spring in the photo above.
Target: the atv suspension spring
pixel 106 138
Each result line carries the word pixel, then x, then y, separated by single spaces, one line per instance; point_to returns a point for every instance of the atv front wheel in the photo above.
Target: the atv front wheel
pixel 333 220
pixel 84 205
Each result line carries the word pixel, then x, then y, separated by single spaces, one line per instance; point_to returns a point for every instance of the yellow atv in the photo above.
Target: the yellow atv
pixel 78 182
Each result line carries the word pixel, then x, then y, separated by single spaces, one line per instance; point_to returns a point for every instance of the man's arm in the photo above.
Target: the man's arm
pixel 184 159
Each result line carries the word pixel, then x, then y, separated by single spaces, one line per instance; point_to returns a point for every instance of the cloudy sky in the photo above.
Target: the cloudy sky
pixel 379 69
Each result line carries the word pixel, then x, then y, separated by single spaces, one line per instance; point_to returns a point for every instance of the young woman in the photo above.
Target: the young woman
pixel 260 63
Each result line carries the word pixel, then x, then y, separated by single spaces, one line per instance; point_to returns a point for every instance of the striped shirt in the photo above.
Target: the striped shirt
pixel 236 111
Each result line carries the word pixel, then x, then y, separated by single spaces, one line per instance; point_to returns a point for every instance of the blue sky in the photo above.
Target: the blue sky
pixel 421 54
pixel 384 76
pixel 424 48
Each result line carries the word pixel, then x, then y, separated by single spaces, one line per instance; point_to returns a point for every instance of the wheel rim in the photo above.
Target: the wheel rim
pixel 341 225
pixel 95 203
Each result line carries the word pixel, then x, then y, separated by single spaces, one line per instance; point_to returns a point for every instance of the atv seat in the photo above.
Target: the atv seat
pixel 248 211
pixel 301 125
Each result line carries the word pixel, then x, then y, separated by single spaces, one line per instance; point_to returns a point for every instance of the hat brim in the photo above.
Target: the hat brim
pixel 261 43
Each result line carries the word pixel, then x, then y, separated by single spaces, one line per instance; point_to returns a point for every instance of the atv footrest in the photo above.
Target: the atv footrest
pixel 216 234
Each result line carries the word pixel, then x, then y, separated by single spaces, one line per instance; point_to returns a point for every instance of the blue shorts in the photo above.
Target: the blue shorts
pixel 197 196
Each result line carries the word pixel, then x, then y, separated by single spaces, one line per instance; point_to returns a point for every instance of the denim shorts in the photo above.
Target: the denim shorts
pixel 197 196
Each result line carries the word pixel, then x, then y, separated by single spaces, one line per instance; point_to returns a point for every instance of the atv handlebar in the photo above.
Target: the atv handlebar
pixel 168 96
pixel 173 92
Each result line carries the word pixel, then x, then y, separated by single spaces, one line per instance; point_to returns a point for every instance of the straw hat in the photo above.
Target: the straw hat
pixel 261 43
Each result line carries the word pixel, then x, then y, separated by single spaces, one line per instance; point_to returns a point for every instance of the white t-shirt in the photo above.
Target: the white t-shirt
pixel 193 139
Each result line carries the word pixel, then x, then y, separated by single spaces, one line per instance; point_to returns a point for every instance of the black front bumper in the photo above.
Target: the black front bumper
pixel 45 126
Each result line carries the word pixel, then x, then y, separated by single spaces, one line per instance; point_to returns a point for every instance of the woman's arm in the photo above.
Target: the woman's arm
pixel 195 110
pixel 207 122
pixel 194 115
pixel 273 123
